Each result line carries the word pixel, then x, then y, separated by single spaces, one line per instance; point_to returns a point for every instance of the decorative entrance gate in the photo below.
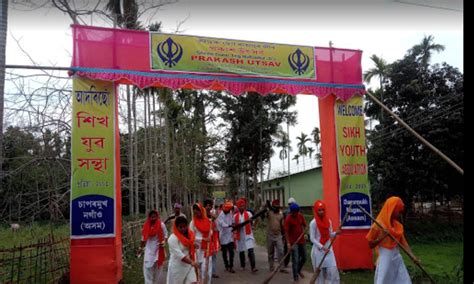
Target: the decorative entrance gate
pixel 104 58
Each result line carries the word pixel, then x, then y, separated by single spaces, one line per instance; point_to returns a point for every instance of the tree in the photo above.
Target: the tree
pixel 425 49
pixel 310 154
pixel 429 99
pixel 297 158
pixel 317 140
pixel 283 142
pixel 302 149
pixel 3 45
pixel 253 120
pixel 380 70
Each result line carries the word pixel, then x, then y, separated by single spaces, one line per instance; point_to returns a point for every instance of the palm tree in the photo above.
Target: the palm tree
pixel 302 149
pixel 297 158
pixel 310 153
pixel 424 50
pixel 128 18
pixel 284 143
pixel 381 70
pixel 317 140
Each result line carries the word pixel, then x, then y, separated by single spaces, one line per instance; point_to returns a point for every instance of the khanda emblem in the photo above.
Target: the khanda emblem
pixel 299 61
pixel 170 52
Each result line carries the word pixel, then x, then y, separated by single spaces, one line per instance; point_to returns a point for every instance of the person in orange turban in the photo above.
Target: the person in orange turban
pixel 390 265
pixel 243 236
pixel 225 221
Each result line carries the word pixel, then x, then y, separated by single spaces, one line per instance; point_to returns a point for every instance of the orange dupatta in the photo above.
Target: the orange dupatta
pixel 203 225
pixel 149 231
pixel 392 204
pixel 322 223
pixel 186 241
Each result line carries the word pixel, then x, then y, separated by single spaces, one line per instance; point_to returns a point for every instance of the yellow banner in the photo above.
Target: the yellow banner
pixel 93 159
pixel 173 52
pixel 352 161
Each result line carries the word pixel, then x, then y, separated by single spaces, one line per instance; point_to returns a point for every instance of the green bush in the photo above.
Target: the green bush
pixel 434 230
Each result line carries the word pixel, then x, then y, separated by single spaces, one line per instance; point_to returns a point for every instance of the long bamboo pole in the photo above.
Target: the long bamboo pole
pixel 423 140
pixel 267 280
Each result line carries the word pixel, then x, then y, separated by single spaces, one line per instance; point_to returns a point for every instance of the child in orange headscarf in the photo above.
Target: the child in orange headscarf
pixel 154 235
pixel 321 232
pixel 390 265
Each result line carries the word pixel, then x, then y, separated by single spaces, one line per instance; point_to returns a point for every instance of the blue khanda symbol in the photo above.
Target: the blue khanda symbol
pixel 298 61
pixel 170 52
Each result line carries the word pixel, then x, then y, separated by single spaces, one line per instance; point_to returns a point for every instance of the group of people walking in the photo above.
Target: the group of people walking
pixel 194 243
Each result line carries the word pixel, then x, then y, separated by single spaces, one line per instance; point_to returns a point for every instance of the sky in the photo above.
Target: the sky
pixel 384 27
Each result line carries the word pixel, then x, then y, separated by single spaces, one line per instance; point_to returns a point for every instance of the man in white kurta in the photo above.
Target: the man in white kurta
pixel 225 220
pixel 329 270
pixel 244 238
pixel 179 272
pixel 177 212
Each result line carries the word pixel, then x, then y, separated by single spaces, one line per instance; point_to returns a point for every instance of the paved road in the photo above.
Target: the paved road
pixel 247 276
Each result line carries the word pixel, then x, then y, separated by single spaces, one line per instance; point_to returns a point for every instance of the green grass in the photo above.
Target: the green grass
pixel 441 253
pixel 132 269
pixel 442 261
pixel 30 233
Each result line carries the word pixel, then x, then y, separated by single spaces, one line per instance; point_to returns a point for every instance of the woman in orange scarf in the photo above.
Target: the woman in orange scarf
pixel 182 266
pixel 154 235
pixel 320 231
pixel 390 265
pixel 201 227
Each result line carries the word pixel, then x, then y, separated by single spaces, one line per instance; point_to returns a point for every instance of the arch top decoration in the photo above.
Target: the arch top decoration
pixel 124 56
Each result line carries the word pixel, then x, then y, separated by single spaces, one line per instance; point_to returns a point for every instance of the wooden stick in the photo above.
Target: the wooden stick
pixel 198 279
pixel 267 280
pixel 251 219
pixel 411 256
pixel 318 269
pixel 423 140
pixel 206 266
